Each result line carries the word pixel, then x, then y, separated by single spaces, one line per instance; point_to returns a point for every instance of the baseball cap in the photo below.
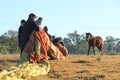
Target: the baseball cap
pixel 32 15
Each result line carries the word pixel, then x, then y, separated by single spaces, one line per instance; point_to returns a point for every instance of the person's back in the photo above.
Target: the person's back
pixel 46 31
pixel 20 32
pixel 20 36
pixel 29 27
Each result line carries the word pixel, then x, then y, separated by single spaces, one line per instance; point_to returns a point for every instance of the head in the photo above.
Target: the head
pixel 88 36
pixel 39 20
pixel 59 39
pixel 46 29
pixel 22 22
pixel 32 17
pixel 52 38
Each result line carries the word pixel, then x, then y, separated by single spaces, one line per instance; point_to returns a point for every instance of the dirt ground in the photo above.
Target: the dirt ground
pixel 75 67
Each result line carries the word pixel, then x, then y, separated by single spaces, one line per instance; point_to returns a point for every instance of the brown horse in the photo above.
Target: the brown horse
pixel 94 42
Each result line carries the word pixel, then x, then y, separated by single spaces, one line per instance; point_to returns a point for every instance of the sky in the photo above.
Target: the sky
pixel 99 17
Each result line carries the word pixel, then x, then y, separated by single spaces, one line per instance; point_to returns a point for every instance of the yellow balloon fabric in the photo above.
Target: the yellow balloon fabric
pixel 25 71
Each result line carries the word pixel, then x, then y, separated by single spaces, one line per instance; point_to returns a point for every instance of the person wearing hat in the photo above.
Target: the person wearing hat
pixel 29 27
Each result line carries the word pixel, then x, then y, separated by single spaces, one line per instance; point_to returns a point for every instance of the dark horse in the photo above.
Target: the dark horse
pixel 94 42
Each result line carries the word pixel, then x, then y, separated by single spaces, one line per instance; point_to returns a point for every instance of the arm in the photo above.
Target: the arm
pixel 36 27
pixel 19 35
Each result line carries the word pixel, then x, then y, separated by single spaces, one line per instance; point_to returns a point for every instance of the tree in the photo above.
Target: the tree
pixel 109 43
pixel 76 43
pixel 74 37
pixel 68 44
pixel 74 40
pixel 9 42
pixel 117 46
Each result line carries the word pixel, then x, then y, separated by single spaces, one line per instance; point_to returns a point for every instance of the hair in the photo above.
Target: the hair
pixel 32 15
pixel 40 18
pixel 46 28
pixel 23 21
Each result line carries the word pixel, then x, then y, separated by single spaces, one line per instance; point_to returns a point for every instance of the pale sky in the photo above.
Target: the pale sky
pixel 99 17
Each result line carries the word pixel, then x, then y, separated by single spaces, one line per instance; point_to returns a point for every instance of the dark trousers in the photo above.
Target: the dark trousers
pixel 21 50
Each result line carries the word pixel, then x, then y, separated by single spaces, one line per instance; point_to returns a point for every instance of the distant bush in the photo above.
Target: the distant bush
pixel 9 42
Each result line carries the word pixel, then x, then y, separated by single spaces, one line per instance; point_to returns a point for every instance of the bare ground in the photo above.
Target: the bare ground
pixel 75 67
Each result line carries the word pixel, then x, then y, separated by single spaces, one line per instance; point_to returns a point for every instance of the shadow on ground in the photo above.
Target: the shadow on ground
pixel 81 61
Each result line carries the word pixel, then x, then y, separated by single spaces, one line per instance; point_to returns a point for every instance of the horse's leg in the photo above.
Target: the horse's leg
pixel 89 50
pixel 94 50
pixel 100 50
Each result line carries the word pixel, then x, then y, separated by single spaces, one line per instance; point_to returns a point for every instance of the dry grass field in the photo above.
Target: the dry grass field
pixel 75 67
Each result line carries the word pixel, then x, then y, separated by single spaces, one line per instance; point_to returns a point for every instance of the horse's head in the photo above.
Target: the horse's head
pixel 88 36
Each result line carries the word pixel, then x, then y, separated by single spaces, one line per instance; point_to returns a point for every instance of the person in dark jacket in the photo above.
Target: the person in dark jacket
pixel 20 32
pixel 29 27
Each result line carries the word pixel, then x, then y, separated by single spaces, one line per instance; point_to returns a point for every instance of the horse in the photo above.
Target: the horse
pixel 94 42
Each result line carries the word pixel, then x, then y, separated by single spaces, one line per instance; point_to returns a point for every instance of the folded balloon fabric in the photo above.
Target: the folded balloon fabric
pixel 24 71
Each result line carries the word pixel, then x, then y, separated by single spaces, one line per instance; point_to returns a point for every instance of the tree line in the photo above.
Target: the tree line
pixel 75 43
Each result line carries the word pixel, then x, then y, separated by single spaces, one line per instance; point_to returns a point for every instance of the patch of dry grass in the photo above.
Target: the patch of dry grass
pixel 75 67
